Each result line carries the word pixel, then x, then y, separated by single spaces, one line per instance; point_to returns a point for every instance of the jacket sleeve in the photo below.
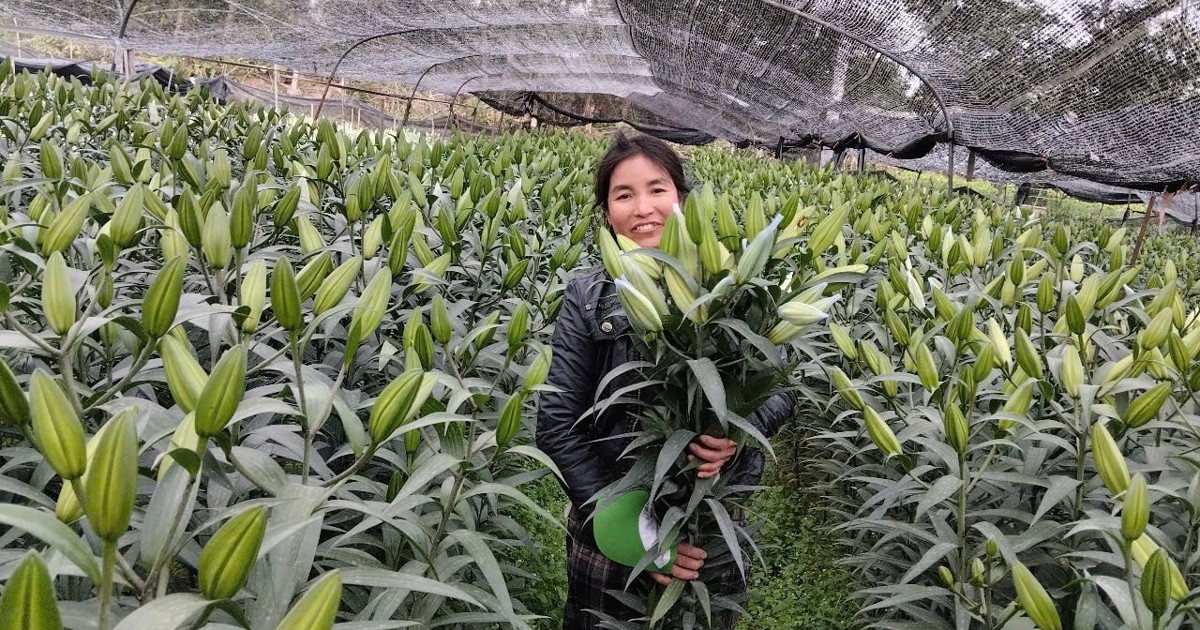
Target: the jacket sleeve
pixel 559 433
pixel 769 418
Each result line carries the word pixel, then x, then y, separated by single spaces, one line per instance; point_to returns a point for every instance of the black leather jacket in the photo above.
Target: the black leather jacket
pixel 592 335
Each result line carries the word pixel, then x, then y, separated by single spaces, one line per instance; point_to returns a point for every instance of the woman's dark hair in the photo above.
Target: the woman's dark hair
pixel 652 149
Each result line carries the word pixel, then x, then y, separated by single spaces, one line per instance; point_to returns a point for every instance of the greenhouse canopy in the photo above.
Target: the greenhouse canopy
pixel 1105 90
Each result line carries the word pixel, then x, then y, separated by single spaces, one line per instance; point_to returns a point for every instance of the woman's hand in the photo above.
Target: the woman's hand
pixel 688 560
pixel 714 452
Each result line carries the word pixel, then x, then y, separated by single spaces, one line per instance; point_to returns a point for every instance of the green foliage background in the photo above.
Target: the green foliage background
pixel 499 225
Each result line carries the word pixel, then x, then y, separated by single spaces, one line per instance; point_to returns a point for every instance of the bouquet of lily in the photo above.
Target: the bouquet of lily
pixel 722 315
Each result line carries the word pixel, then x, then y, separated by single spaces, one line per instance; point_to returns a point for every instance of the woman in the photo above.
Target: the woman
pixel 638 183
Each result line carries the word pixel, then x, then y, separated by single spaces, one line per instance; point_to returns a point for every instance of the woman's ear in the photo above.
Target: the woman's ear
pixel 606 224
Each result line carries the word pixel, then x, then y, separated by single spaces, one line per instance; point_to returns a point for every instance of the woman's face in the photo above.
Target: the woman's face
pixel 641 196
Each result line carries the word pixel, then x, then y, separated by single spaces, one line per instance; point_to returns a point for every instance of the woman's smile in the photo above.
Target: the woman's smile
pixel 646 228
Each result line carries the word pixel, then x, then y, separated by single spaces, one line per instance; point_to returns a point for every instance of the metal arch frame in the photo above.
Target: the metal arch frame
pixel 336 66
pixel 416 86
pixel 125 19
pixel 949 124
pixel 460 87
pixel 408 106
pixel 454 100
pixel 463 85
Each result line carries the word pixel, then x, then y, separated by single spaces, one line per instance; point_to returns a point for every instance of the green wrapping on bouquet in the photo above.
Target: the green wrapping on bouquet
pixel 626 529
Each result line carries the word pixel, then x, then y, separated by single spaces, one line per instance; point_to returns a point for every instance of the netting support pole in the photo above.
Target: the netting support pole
pixel 950 171
pixel 779 150
pixel 1137 247
pixel 454 100
pixel 122 59
pixel 816 20
pixel 970 165
pixel 412 95
pixel 862 160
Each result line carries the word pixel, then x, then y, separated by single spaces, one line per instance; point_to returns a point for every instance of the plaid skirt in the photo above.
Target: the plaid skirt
pixel 595 585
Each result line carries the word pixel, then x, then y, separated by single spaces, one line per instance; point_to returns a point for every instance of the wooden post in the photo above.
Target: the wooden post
pixel 862 160
pixel 950 172
pixel 275 83
pixel 1164 206
pixel 1195 213
pixel 970 165
pixel 1137 247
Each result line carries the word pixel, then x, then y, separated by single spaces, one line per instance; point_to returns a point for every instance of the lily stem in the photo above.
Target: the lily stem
pixel 309 431
pixel 106 585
